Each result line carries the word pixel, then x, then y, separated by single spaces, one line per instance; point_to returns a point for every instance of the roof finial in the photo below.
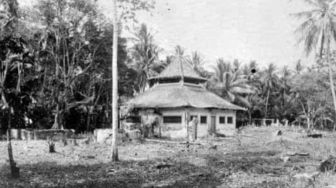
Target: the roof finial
pixel 182 74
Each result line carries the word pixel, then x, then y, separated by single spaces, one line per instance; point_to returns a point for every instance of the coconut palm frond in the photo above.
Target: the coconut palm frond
pixel 306 14
pixel 244 101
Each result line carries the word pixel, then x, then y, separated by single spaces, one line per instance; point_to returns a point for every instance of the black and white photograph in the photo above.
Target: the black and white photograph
pixel 167 94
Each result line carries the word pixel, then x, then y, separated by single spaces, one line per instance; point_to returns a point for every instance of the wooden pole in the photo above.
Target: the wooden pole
pixel 114 151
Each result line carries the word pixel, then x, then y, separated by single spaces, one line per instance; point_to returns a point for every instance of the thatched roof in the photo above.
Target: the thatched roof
pixel 178 69
pixel 180 95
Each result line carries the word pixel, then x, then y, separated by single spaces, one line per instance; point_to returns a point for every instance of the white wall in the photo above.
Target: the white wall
pixel 180 130
pixel 226 128
pixel 174 130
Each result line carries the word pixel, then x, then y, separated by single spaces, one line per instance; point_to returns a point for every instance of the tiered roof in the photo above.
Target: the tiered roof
pixel 176 95
pixel 180 94
pixel 179 69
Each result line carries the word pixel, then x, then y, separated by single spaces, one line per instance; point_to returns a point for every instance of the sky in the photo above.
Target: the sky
pixel 260 30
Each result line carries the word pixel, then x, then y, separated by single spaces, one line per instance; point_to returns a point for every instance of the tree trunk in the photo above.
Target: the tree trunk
pixel 115 117
pixel 308 122
pixel 15 171
pixel 309 116
pixel 56 125
pixel 323 122
pixel 56 93
pixel 88 119
pixel 57 118
pixel 306 113
pixel 331 80
pixel 250 116
pixel 266 107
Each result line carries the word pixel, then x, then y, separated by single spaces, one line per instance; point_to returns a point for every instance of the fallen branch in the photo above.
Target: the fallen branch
pixel 298 154
pixel 314 135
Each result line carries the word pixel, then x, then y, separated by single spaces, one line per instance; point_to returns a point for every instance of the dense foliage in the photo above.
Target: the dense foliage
pixel 68 45
pixel 56 68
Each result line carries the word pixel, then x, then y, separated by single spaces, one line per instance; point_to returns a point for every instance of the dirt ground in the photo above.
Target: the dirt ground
pixel 254 158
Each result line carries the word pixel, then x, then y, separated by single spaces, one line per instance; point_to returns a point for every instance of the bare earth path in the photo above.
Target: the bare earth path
pixel 253 159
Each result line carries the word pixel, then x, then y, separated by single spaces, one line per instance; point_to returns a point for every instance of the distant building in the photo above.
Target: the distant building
pixel 177 94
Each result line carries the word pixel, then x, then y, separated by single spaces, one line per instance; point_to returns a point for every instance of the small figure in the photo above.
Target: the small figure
pixel 151 124
pixel 192 128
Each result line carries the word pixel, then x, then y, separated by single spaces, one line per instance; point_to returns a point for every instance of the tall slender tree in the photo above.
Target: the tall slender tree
pixel 283 103
pixel 115 113
pixel 270 81
pixel 318 32
pixel 145 54
pixel 128 12
pixel 11 59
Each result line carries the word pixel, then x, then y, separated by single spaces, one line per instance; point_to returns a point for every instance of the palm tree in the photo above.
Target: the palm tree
pixel 197 63
pixel 196 60
pixel 250 70
pixel 253 77
pixel 179 51
pixel 223 66
pixel 270 81
pixel 285 75
pixel 145 54
pixel 284 98
pixel 318 32
pixel 236 65
pixel 231 85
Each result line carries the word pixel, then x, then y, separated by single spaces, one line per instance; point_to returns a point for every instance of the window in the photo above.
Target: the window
pixel 268 122
pixel 192 117
pixel 222 119
pixel 172 119
pixel 203 120
pixel 133 119
pixel 230 120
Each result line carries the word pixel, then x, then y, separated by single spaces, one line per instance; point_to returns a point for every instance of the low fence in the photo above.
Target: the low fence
pixel 44 134
pixel 265 122
pixel 99 135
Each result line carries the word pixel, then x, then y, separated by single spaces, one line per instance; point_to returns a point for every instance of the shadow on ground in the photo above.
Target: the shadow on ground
pixel 121 174
pixel 266 162
pixel 257 169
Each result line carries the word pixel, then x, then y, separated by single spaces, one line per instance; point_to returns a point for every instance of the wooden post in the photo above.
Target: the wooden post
pixel 160 124
pixel 195 129
pixel 185 122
